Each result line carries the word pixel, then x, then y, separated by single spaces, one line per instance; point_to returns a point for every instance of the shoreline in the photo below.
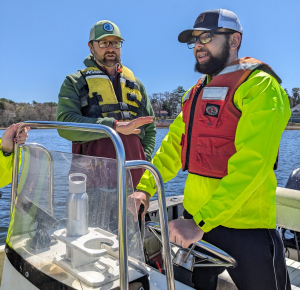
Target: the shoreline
pixel 167 125
pixel 292 128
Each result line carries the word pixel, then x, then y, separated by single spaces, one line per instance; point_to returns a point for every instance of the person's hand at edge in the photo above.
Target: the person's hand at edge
pixel 131 127
pixel 135 200
pixel 9 137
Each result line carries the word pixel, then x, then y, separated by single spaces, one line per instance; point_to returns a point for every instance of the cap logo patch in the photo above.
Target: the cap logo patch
pixel 108 27
pixel 212 110
pixel 200 18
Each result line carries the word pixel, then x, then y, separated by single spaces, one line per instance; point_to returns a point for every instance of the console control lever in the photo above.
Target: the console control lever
pixel 186 257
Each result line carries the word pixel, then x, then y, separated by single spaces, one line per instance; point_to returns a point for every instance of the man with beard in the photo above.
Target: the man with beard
pixel 107 93
pixel 227 137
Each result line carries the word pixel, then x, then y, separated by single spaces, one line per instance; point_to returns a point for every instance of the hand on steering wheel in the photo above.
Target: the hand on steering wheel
pixel 184 232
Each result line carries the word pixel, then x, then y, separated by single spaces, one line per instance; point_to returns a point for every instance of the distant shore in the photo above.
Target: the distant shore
pixel 167 123
pixel 295 127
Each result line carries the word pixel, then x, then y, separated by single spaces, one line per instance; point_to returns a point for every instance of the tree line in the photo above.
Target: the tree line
pixel 294 96
pixel 12 112
pixel 169 102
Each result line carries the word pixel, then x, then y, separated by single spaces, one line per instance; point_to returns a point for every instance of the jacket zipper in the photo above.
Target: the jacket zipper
pixel 190 128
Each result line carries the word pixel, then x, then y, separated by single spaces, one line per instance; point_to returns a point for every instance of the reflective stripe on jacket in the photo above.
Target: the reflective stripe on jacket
pixel 245 198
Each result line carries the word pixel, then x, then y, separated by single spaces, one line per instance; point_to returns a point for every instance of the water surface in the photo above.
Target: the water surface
pixel 289 159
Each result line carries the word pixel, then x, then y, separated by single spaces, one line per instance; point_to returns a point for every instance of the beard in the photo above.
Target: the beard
pixel 107 62
pixel 215 63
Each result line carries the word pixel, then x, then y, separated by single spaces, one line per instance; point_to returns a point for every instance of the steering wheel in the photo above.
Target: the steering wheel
pixel 186 257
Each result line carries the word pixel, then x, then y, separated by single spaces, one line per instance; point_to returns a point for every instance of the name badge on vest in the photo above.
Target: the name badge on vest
pixel 215 93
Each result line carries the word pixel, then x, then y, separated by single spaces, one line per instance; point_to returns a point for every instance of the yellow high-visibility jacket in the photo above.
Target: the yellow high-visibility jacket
pixel 245 198
pixel 6 164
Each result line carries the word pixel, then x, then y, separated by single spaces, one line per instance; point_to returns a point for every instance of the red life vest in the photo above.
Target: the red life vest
pixel 211 119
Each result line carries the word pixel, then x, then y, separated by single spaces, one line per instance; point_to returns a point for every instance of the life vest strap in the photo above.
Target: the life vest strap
pixel 120 116
pixel 133 98
pixel 118 107
pixel 265 68
pixel 129 84
pixel 83 96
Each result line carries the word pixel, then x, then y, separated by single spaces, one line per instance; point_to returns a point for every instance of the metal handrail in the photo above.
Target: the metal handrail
pixel 121 181
pixel 163 216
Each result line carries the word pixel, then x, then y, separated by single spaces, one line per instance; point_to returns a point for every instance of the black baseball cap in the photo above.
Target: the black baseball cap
pixel 212 20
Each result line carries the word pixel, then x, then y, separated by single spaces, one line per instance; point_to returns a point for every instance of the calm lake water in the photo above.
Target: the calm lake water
pixel 289 160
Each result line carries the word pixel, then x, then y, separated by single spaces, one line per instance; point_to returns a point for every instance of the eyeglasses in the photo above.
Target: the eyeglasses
pixel 106 44
pixel 204 38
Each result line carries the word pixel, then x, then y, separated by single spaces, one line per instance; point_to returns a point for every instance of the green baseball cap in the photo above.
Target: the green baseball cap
pixel 104 28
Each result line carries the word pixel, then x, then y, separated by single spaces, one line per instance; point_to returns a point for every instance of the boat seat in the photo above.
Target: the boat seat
pixel 225 282
pixel 288 208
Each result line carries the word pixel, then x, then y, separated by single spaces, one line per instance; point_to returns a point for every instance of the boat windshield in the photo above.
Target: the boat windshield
pixel 65 220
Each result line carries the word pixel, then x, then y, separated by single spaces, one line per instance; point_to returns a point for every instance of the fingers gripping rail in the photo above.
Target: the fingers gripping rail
pixel 224 261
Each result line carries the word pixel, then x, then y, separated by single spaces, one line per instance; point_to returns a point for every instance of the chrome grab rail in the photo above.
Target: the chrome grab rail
pixel 163 216
pixel 154 227
pixel 121 187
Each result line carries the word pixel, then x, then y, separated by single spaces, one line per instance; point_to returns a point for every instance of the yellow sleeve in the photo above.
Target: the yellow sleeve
pixel 167 158
pixel 6 164
pixel 265 113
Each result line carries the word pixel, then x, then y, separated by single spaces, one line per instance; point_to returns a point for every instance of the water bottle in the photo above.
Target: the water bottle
pixel 77 206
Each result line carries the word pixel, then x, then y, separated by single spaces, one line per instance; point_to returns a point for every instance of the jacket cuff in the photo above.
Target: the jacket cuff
pixel 201 223
pixel 7 157
pixel 110 122
pixel 115 124
pixel 142 187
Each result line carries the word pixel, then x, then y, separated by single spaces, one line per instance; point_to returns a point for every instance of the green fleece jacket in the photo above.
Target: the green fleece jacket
pixel 69 110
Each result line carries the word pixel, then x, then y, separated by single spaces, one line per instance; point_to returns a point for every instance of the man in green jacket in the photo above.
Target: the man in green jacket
pixel 106 92
pixel 227 137
pixel 7 149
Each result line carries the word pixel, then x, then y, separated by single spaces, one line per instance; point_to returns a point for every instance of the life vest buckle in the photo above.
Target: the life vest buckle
pixel 131 97
pixel 130 84
pixel 125 115
pixel 123 106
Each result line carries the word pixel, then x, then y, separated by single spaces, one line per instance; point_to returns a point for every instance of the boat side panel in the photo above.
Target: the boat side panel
pixel 13 280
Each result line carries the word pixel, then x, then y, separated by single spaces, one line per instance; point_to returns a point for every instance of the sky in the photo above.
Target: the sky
pixel 44 41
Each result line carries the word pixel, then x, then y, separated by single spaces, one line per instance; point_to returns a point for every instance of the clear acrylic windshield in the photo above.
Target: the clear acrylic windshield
pixel 67 233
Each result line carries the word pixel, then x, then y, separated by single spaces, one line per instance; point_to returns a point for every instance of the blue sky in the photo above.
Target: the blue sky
pixel 43 41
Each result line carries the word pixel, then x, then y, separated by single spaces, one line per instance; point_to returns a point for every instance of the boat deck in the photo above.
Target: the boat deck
pixel 225 282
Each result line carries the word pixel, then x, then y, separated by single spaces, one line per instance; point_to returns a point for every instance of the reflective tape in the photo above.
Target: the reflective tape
pixel 187 95
pixel 240 66
pixel 97 76
pixel 215 93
